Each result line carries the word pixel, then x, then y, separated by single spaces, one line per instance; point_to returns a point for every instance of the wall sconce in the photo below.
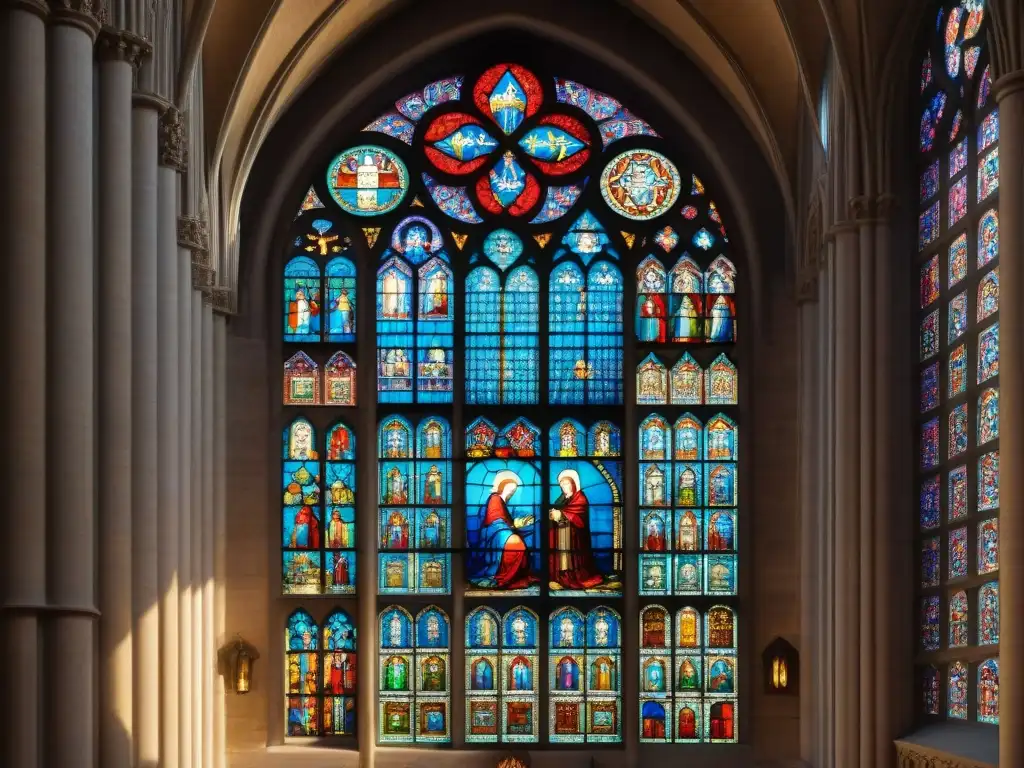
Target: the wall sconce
pixel 243 655
pixel 781 668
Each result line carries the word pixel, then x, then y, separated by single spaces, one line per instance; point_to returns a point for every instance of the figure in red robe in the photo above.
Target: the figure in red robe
pixel 505 558
pixel 306 531
pixel 341 571
pixel 571 563
pixel 342 673
pixel 340 445
pixel 655 537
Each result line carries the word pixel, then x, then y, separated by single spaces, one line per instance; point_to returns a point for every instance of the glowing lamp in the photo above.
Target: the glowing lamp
pixel 243 656
pixel 781 668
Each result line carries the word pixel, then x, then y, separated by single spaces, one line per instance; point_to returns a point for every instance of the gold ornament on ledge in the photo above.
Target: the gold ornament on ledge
pixel 511 762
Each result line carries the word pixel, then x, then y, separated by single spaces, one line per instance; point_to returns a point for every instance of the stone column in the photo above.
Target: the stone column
pixel 847 494
pixel 172 161
pixel 864 208
pixel 145 475
pixel 70 405
pixel 23 234
pixel 119 52
pixel 209 542
pixel 1009 92
pixel 196 323
pixel 186 584
pixel 220 532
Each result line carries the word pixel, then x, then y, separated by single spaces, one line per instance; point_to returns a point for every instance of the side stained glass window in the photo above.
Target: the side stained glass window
pixel 414 472
pixel 958 425
pixel 414 693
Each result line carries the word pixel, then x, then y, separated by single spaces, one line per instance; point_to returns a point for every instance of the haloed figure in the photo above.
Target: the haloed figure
pixel 506 558
pixel 572 559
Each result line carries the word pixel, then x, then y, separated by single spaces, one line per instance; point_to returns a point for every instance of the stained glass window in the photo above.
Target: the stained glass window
pixel 506 193
pixel 584 670
pixel 318 518
pixel 958 322
pixel 414 675
pixel 414 474
pixel 320 675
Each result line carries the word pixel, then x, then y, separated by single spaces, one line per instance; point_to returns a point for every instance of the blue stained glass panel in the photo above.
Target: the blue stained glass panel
pixel 930 562
pixel 467 142
pixel 957 493
pixel 930 335
pixel 301 300
pixel 930 444
pixel 988 691
pixel 988 174
pixel 503 247
pixel 988 614
pixel 958 158
pixel 550 144
pixel 928 226
pixel 394 125
pixel 558 201
pixel 988 416
pixel 988 353
pixel 453 201
pixel 957 318
pixel 930 623
pixel 957 692
pixel 988 238
pixel 341 300
pixel 988 131
pixel 507 180
pixel 930 181
pixel 930 387
pixel 931 503
pixel 957 431
pixel 988 481
pixel 958 553
pixel 957 260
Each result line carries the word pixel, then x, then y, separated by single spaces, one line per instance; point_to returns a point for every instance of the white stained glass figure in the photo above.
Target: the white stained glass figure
pixel 485 631
pixel 433 629
pixel 601 631
pixel 395 631
pixel 519 630
pixel 654 486
pixel 300 443
pixel 565 633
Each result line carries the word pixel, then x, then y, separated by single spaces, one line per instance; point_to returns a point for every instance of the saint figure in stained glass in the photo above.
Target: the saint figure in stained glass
pixel 507 563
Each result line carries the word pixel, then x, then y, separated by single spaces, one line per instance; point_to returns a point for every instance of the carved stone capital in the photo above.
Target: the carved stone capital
pixel 865 209
pixel 87 15
pixel 173 140
pixel 221 299
pixel 121 45
pixel 194 236
pixel 913 756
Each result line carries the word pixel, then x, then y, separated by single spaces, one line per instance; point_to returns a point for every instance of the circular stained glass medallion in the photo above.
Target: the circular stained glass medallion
pixel 367 180
pixel 640 184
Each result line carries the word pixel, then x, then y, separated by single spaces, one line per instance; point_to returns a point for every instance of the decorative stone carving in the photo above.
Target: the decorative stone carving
pixel 194 236
pixel 912 756
pixel 173 140
pixel 120 45
pixel 88 15
pixel 221 299
pixel 865 209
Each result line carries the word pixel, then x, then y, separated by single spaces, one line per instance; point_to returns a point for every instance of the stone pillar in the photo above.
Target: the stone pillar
pixel 846 382
pixel 145 475
pixel 867 568
pixel 883 509
pixel 1009 92
pixel 119 52
pixel 196 323
pixel 220 531
pixel 172 161
pixel 186 584
pixel 70 405
pixel 23 234
pixel 209 543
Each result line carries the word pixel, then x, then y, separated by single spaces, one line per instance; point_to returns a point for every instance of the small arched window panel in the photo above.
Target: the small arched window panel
pixel 414 496
pixel 320 675
pixel 414 676
pixel 957 297
pixel 318 510
pixel 303 384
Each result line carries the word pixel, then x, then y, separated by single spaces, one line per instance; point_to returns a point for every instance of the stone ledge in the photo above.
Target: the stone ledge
pixel 949 745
